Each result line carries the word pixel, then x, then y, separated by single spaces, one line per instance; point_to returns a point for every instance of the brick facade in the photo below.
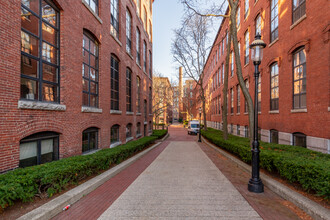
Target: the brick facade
pixel 20 118
pixel 309 32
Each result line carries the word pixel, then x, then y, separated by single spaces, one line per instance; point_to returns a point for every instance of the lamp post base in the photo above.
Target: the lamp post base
pixel 256 186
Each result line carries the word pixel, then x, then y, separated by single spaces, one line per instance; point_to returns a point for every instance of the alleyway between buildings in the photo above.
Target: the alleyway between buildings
pixel 181 179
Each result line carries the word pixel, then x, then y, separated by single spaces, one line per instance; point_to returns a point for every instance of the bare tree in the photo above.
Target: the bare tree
pixel 162 98
pixel 190 50
pixel 217 11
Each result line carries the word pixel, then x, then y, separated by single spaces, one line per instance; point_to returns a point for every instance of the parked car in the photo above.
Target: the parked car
pixel 193 127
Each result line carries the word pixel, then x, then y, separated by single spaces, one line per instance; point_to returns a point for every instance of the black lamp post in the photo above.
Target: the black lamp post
pixel 200 116
pixel 255 184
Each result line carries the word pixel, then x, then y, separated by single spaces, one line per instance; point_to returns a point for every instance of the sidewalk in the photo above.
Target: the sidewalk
pixel 181 183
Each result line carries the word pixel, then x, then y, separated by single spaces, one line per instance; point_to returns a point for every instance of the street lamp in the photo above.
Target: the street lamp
pixel 255 184
pixel 200 116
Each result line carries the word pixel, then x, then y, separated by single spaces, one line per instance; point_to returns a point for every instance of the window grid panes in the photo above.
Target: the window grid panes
pixel 89 139
pixel 39 51
pixel 299 79
pixel 144 56
pixel 90 71
pixel 138 128
pixel 246 48
pixel 138 56
pixel 93 4
pixel 246 11
pixel 38 149
pixel 274 136
pixel 274 88
pixel 145 110
pixel 114 84
pixel 128 90
pixel 129 131
pixel 299 9
pixel 138 94
pixel 238 99
pixel 128 32
pixel 150 100
pixel 114 18
pixel 274 20
pixel 299 139
pixel 258 24
pixel 150 64
pixel 245 102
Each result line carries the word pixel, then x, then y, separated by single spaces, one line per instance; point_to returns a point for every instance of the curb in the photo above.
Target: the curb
pixel 312 208
pixel 55 206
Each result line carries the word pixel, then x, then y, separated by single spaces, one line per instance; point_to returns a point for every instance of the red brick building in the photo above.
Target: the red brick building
pixel 294 89
pixel 75 76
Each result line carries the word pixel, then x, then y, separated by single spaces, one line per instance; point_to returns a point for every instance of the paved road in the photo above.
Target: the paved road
pixel 180 179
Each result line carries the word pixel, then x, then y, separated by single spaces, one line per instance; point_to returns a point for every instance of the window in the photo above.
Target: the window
pixel 138 7
pixel 138 57
pixel 223 46
pixel 138 128
pixel 238 130
pixel 246 48
pixel 129 130
pixel 274 20
pixel 231 128
pixel 238 99
pixel 273 136
pixel 238 20
pixel 219 105
pixel 114 134
pixel 223 73
pixel 89 139
pixel 128 32
pixel 259 94
pixel 150 126
pixel 150 100
pixel 114 18
pixel 246 11
pixel 231 100
pixel 299 139
pixel 226 37
pixel 38 149
pixel 299 79
pixel 144 56
pixel 258 24
pixel 150 31
pixel 299 9
pixel 245 102
pixel 114 83
pixel 93 4
pixel 39 52
pixel 274 89
pixel 150 65
pixel 232 64
pixel 138 95
pixel 128 90
pixel 246 131
pixel 90 71
pixel 145 110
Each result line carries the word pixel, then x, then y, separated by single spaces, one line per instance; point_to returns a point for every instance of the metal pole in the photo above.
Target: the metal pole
pixel 255 184
pixel 200 116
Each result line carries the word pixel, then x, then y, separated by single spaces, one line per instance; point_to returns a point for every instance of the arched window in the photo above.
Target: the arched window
pixel 138 47
pixel 89 139
pixel 246 47
pixel 258 24
pixel 129 130
pixel 274 86
pixel 40 52
pixel 299 139
pixel 114 83
pixel 138 128
pixel 128 32
pixel 273 136
pixel 144 56
pixel 128 90
pixel 114 28
pixel 90 70
pixel 273 20
pixel 299 78
pixel 138 95
pixel 115 134
pixel 39 148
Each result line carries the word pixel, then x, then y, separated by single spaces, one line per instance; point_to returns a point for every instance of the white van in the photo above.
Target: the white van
pixel 193 127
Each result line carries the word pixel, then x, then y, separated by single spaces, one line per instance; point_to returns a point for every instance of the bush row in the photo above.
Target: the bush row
pixel 296 164
pixel 159 133
pixel 26 183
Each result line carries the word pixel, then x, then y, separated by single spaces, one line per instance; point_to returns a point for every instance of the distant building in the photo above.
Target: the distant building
pixel 293 89
pixel 76 76
pixel 188 100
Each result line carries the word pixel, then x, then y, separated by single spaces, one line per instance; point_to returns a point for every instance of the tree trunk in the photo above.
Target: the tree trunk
pixel 225 87
pixel 240 78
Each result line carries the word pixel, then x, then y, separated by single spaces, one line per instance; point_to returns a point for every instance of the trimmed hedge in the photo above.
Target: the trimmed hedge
pixel 296 164
pixel 26 183
pixel 159 133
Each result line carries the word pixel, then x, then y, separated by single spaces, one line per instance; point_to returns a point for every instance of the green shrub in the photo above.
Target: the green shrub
pixel 159 133
pixel 296 164
pixel 25 183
